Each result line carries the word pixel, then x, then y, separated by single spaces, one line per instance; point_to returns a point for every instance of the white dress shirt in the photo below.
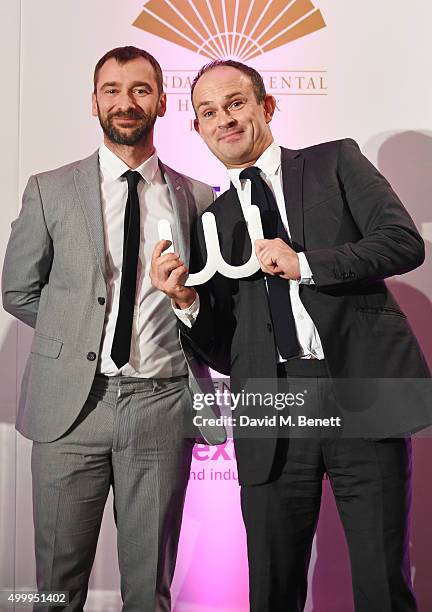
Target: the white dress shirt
pixel 307 334
pixel 155 346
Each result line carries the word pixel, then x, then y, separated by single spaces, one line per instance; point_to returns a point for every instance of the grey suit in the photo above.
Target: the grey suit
pixel 54 280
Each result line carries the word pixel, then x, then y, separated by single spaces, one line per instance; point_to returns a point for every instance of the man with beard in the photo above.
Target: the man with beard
pixel 105 391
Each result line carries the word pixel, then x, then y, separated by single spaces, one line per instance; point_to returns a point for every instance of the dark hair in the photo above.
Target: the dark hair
pixel 255 77
pixel 126 54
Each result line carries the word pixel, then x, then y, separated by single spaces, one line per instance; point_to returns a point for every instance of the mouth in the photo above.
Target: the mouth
pixel 126 120
pixel 231 136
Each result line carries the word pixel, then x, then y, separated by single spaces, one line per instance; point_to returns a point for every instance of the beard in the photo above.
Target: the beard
pixel 127 136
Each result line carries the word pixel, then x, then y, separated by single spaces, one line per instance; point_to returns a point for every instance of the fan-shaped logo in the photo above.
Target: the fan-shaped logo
pixel 236 29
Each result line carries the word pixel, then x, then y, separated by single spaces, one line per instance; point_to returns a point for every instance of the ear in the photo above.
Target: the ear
pixel 94 105
pixel 269 105
pixel 196 126
pixel 162 105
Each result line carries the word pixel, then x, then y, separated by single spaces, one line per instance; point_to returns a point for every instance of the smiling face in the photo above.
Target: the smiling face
pixel 230 120
pixel 127 101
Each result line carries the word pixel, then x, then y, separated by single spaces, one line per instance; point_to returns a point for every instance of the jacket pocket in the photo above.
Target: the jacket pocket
pixel 46 346
pixel 381 310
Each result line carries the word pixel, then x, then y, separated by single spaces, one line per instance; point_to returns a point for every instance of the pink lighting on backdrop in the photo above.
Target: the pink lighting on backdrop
pixel 212 572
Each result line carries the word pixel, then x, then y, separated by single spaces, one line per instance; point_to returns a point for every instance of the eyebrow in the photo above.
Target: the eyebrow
pixel 133 84
pixel 227 97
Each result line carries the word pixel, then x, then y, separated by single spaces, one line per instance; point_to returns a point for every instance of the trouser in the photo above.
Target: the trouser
pixel 371 484
pixel 129 435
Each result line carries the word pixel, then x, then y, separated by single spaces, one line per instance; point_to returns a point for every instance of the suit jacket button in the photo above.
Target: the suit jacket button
pixel 101 300
pixel 269 327
pixel 91 356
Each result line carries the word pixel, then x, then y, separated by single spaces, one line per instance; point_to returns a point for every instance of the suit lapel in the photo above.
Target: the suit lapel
pixel 87 183
pixel 181 211
pixel 292 179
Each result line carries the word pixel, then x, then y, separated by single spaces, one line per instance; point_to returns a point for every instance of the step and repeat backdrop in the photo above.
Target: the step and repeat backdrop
pixel 336 69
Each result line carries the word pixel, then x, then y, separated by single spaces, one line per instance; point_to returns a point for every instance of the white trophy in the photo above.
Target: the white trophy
pixel 215 262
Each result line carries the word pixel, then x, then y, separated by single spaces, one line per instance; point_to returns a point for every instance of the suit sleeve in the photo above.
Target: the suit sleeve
pixel 390 242
pixel 211 334
pixel 28 258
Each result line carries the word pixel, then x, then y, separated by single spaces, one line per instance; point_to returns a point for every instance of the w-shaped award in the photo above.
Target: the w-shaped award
pixel 215 262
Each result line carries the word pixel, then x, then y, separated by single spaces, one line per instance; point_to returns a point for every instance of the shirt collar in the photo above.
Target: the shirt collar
pixel 113 167
pixel 269 163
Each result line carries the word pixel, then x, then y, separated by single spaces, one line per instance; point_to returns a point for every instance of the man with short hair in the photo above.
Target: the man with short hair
pixel 105 393
pixel 333 230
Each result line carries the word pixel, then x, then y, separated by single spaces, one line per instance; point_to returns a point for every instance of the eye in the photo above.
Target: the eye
pixel 110 91
pixel 208 114
pixel 140 91
pixel 236 104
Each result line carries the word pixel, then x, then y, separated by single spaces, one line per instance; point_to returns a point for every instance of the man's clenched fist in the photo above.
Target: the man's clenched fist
pixel 278 259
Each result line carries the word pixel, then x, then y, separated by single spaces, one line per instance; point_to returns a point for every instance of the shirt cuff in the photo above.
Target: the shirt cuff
pixel 189 315
pixel 306 276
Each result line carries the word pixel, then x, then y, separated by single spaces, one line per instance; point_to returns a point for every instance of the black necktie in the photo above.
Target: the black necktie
pixel 120 350
pixel 278 288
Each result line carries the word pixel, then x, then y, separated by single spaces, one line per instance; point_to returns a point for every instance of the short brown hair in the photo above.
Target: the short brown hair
pixel 255 77
pixel 126 54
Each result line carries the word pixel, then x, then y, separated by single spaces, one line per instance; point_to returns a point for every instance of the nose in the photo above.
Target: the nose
pixel 226 120
pixel 125 101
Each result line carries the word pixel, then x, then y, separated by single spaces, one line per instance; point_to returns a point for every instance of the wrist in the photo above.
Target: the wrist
pixel 297 268
pixel 187 298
